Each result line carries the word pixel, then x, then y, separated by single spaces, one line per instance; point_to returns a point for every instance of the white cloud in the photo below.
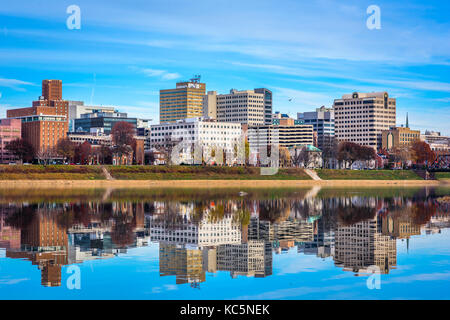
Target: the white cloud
pixel 163 74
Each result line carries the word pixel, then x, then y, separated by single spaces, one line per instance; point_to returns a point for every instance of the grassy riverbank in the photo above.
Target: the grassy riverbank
pixel 68 172
pixel 331 174
pixel 201 173
pixel 442 175
pixel 54 172
pixel 186 173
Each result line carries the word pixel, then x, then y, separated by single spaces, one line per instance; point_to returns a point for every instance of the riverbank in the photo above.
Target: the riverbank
pixel 213 184
pixel 108 172
pixel 69 176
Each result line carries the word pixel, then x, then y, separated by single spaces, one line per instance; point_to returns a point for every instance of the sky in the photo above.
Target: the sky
pixel 307 52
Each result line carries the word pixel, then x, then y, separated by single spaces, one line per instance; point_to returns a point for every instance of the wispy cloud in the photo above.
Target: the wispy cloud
pixel 12 281
pixel 437 276
pixel 14 84
pixel 162 74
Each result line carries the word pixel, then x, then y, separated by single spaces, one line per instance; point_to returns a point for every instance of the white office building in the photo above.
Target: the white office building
pixel 192 135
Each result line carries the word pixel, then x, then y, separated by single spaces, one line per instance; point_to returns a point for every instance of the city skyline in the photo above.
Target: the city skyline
pixel 126 55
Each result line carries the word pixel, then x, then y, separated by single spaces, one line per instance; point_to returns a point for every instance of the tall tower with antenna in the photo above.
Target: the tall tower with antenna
pixel 185 101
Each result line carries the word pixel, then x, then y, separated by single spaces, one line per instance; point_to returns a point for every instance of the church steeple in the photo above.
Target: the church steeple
pixel 407 122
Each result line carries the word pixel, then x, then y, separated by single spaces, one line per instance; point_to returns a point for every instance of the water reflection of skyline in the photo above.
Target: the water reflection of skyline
pixel 238 235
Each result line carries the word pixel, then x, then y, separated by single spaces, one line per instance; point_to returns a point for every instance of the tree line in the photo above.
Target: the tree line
pixel 123 143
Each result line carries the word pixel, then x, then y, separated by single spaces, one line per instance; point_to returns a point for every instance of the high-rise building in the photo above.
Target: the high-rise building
pixel 185 101
pixel 361 117
pixel 245 107
pixel 267 104
pixel 323 123
pixel 46 122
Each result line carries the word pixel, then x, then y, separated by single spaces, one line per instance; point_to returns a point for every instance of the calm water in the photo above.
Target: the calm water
pixel 275 244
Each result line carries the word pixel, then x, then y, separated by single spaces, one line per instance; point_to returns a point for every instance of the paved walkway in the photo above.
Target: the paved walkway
pixel 312 174
pixel 108 176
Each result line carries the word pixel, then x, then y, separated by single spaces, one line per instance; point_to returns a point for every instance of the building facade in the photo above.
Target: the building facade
pixel 77 108
pixel 210 105
pixel 435 137
pixel 10 129
pixel 208 134
pixel 287 132
pixel 361 117
pixel 46 122
pixel 185 101
pixel 101 122
pixel 267 104
pixel 361 246
pixel 322 121
pixel 251 258
pixel 245 107
pixel 398 137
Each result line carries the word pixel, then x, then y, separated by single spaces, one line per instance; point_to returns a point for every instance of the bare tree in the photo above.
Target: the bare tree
pixel 21 149
pixel 66 149
pixel 285 157
pixel 301 157
pixel 329 151
pixel 123 138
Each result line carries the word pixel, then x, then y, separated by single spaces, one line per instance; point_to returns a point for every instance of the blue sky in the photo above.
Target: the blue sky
pixel 309 51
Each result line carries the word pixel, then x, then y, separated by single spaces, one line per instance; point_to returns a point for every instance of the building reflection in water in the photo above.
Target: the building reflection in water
pixel 237 234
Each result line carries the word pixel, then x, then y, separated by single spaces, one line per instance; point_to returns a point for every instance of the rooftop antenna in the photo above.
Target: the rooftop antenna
pixel 196 78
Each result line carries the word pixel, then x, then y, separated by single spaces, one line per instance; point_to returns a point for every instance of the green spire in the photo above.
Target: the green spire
pixel 407 122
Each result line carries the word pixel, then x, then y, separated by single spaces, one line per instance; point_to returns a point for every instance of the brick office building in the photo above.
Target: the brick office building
pixel 46 122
